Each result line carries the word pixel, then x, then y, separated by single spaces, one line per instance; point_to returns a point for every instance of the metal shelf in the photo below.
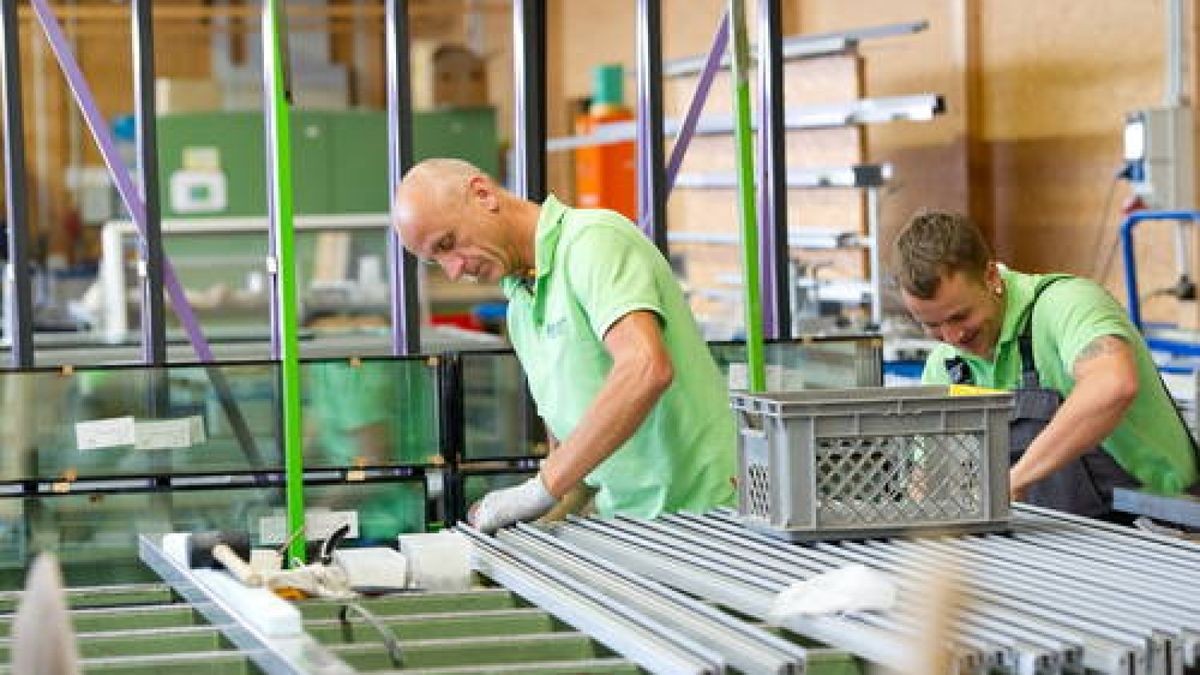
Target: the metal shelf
pixel 804 46
pixel 915 108
pixel 857 176
pixel 811 239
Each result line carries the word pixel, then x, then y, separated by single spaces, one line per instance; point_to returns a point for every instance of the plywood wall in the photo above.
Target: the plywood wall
pixel 1036 93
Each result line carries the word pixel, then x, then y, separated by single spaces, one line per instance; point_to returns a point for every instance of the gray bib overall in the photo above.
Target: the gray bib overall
pixel 1085 485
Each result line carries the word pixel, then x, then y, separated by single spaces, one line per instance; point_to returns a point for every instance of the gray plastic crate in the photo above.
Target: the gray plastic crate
pixel 873 461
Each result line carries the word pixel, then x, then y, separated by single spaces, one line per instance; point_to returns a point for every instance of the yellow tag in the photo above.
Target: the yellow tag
pixel 972 390
pixel 61 487
pixel 355 475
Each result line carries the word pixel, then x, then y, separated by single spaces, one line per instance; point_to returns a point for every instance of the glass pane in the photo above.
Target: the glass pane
pixel 101 421
pixel 794 365
pixel 95 536
pixel 377 412
pixel 384 509
pixel 477 485
pixel 498 411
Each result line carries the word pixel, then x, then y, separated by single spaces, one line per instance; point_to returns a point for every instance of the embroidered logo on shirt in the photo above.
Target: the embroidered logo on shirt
pixel 556 329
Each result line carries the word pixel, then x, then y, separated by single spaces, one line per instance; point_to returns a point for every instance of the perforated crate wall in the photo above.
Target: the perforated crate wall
pixel 873 461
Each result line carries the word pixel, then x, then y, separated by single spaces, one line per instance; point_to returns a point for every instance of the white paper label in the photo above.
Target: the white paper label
pixel 197 430
pixel 107 433
pixel 162 434
pixel 167 434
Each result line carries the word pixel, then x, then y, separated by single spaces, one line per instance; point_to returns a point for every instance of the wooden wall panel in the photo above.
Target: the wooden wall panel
pixel 831 79
pixel 1036 94
pixel 928 158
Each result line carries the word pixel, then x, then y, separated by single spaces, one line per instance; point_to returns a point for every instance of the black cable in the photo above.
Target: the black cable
pixel 1098 242
pixel 390 641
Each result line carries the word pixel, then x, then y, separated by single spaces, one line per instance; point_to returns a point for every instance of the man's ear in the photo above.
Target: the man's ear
pixel 991 277
pixel 482 190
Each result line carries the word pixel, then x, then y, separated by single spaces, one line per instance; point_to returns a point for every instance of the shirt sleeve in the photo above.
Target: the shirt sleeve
pixel 1076 312
pixel 612 273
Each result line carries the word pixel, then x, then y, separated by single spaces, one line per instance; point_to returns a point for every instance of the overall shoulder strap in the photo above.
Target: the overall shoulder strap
pixel 1029 376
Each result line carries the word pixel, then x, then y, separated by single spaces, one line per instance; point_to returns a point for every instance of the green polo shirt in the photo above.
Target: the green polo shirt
pixel 594 267
pixel 1151 442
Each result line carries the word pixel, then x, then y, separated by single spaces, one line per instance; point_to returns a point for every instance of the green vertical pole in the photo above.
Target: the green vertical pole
pixel 285 287
pixel 747 215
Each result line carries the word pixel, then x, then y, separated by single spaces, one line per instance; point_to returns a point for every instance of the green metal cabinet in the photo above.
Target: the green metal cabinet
pixel 339 158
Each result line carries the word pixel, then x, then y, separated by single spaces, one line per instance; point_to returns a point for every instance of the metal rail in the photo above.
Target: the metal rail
pixel 281 654
pixel 1057 594
pixel 635 636
pixel 745 647
pixel 711 576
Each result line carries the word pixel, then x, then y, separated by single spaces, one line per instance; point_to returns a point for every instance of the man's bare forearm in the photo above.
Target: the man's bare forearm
pixel 1105 387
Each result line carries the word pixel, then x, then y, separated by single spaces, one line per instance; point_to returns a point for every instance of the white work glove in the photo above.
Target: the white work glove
pixel 498 508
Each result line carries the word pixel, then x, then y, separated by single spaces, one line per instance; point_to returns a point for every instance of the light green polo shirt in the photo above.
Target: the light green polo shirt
pixel 1151 442
pixel 593 268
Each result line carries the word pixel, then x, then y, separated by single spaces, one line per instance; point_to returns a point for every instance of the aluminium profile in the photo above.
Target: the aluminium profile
pixel 1157 645
pixel 974 646
pixel 745 592
pixel 998 653
pixel 1099 654
pixel 293 654
pixel 1126 651
pixel 1102 655
pixel 636 637
pixel 745 647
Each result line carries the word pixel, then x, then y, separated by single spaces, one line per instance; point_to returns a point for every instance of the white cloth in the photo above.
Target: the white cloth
pixel 315 579
pixel 519 503
pixel 42 639
pixel 851 588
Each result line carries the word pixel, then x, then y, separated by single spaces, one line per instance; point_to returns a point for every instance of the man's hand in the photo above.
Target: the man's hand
pixel 519 503
pixel 1017 493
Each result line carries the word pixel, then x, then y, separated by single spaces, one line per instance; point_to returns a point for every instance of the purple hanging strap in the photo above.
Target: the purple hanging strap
pixel 688 129
pixel 117 169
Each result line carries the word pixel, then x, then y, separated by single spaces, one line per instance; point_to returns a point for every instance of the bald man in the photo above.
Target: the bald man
pixel 612 353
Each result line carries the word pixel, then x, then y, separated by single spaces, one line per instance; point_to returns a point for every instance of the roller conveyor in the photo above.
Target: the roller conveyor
pixel 1057 594
pixel 686 594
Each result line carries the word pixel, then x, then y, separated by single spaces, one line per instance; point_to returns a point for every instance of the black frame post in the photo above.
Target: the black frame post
pixel 406 313
pixel 17 292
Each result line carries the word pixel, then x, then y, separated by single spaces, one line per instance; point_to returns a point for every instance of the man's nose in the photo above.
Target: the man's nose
pixel 947 334
pixel 453 266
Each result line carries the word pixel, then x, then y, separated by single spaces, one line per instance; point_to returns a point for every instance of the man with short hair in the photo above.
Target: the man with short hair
pixel 1091 410
pixel 613 356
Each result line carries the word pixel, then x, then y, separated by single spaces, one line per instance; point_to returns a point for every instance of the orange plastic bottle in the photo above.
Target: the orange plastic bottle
pixel 606 175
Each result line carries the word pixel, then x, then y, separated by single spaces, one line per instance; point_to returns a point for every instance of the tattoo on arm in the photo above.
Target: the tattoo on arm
pixel 1101 346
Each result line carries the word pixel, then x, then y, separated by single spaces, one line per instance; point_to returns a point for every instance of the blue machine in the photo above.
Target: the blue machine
pixel 1185 288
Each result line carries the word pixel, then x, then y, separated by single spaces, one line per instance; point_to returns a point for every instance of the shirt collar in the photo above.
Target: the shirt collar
pixel 1018 293
pixel 549 230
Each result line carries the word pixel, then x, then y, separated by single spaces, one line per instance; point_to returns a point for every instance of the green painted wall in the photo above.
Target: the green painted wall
pixel 340 158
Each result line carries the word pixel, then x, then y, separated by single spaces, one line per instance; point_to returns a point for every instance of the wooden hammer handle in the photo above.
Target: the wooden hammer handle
pixel 236 566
